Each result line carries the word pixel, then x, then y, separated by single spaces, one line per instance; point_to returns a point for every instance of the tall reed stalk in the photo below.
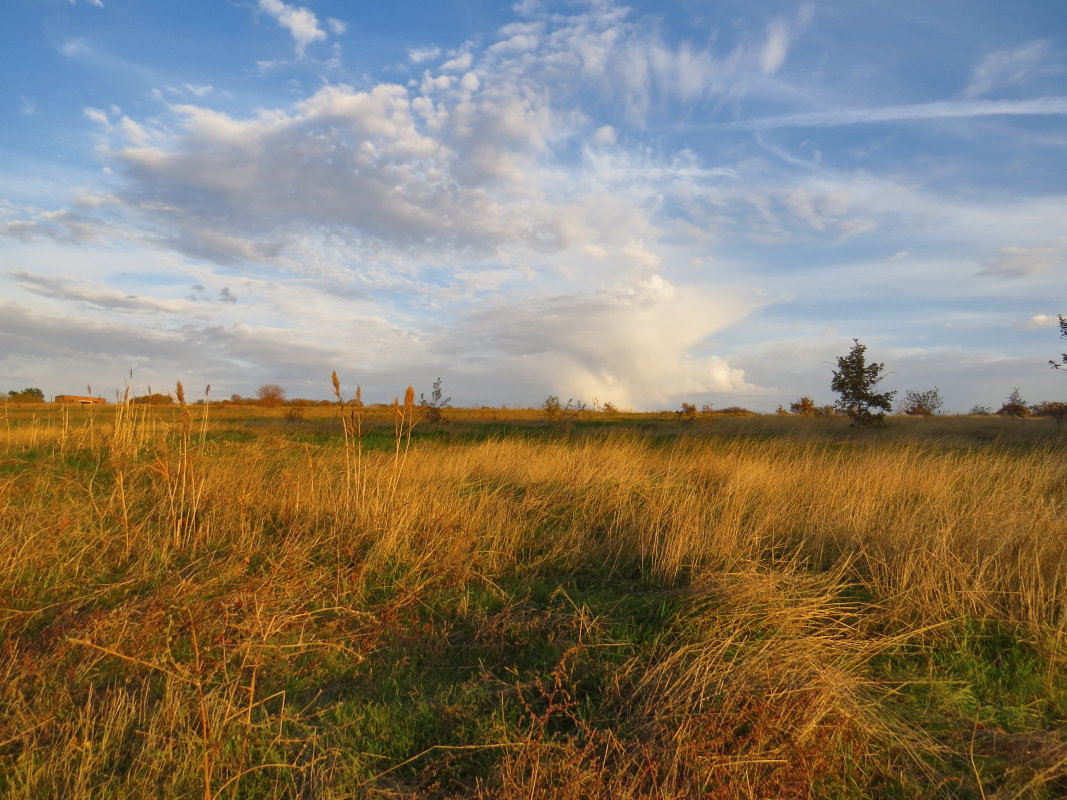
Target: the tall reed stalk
pixel 351 413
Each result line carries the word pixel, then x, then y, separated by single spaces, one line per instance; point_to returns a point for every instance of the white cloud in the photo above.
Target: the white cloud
pixel 1010 67
pixel 418 55
pixel 1021 262
pixel 62 225
pixel 516 44
pixel 1040 106
pixel 604 135
pixel 636 252
pixel 198 91
pixel 775 49
pixel 337 27
pixel 1041 321
pixel 470 82
pixel 95 115
pixel 301 23
pixel 74 48
pixel 631 346
pixel 134 132
pixel 460 63
pixel 110 299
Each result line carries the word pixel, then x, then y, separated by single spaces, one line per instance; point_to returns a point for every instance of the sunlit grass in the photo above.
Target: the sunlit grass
pixel 635 607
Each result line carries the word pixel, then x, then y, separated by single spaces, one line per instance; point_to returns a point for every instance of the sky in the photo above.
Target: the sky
pixel 642 203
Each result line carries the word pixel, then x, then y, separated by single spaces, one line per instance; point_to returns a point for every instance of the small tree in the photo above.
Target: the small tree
pixel 688 411
pixel 1056 410
pixel 1063 335
pixel 270 395
pixel 433 410
pixel 980 411
pixel 923 404
pixel 855 379
pixel 804 407
pixel 1014 406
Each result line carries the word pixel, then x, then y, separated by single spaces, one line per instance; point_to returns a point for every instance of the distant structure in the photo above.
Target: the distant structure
pixel 83 401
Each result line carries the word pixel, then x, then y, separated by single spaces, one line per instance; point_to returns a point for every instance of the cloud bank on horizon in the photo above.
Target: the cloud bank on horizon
pixel 641 203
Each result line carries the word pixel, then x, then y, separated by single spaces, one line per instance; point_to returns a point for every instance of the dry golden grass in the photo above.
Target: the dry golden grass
pixel 185 611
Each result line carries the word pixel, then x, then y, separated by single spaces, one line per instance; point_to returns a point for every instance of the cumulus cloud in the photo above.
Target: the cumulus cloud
pixel 301 23
pixel 442 165
pixel 632 346
pixel 380 165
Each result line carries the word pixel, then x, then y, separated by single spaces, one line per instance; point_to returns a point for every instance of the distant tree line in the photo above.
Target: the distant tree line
pixel 854 381
pixel 28 395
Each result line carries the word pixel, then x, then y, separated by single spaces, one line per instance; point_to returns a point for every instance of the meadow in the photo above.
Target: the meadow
pixel 205 602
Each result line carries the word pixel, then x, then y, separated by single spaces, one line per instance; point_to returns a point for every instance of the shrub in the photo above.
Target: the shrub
pixel 556 411
pixel 433 410
pixel 553 408
pixel 923 404
pixel 270 395
pixel 1014 406
pixel 1056 410
pixel 804 407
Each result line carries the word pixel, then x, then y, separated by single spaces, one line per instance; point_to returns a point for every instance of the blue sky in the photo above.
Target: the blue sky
pixel 642 203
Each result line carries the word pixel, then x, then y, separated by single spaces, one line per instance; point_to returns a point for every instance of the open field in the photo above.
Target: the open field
pixel 248 602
